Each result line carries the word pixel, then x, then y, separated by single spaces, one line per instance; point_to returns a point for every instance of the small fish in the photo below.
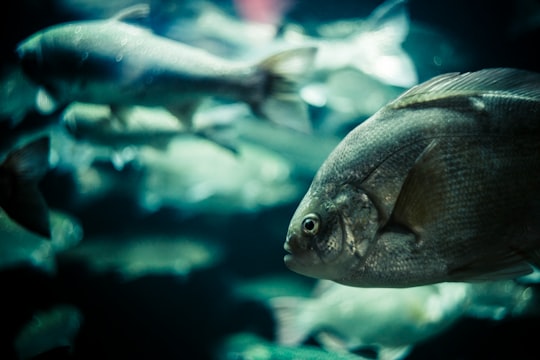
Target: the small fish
pixel 439 185
pixel 20 197
pixel 119 64
pixel 48 330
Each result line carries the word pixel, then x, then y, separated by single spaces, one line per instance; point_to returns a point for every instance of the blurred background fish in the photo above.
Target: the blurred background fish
pixel 54 329
pixel 137 255
pixel 116 63
pixel 95 124
pixel 166 236
pixel 392 321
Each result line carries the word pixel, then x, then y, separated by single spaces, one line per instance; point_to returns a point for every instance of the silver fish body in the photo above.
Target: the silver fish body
pixel 392 321
pixel 116 63
pixel 130 63
pixel 439 185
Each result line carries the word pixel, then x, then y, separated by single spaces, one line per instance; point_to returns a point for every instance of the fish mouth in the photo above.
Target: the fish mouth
pixel 287 247
pixel 298 258
pixel 288 258
pixel 292 246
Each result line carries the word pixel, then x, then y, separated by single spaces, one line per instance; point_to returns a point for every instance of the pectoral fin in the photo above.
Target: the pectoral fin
pixel 46 104
pixel 184 112
pixel 121 114
pixel 222 135
pixel 398 352
pixel 447 196
pixel 413 209
pixel 332 341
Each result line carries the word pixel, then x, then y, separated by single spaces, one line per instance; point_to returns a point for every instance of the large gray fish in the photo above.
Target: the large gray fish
pixel 20 174
pixel 439 185
pixel 119 64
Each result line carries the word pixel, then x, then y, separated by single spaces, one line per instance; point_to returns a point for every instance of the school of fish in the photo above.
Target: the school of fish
pixel 152 155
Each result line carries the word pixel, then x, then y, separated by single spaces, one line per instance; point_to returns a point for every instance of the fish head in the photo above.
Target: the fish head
pixel 329 234
pixel 67 63
pixel 51 53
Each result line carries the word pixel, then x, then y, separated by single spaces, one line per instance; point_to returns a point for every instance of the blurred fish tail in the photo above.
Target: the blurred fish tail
pixel 281 102
pixel 291 327
pixel 20 197
pixel 380 53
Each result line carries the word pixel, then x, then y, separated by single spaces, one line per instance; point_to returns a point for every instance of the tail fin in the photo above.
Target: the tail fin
pixel 379 45
pixel 20 197
pixel 291 327
pixel 281 102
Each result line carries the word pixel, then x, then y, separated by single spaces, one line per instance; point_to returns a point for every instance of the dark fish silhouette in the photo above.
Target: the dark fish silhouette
pixel 20 197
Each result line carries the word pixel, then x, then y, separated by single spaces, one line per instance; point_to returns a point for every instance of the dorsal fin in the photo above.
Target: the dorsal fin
pixel 503 82
pixel 138 11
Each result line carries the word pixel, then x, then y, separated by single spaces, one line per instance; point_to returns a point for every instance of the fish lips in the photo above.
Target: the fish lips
pixel 300 259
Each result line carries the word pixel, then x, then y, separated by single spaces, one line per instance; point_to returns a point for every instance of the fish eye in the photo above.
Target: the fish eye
pixel 310 224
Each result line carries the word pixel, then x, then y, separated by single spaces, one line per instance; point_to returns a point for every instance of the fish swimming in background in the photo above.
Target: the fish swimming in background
pixel 439 185
pixel 144 126
pixel 116 63
pixel 136 256
pixel 372 45
pixel 392 321
pixel 20 197
pixel 55 328
pixel 211 180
